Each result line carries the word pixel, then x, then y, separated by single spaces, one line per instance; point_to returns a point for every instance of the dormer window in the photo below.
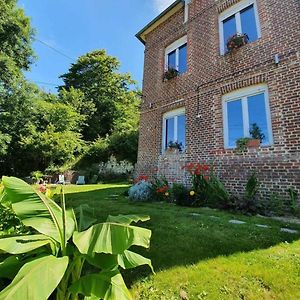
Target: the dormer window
pixel 241 18
pixel 176 56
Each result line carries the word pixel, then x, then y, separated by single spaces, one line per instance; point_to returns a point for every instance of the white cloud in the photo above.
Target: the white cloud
pixel 160 5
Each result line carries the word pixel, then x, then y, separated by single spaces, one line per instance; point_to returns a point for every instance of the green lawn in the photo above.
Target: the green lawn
pixel 203 255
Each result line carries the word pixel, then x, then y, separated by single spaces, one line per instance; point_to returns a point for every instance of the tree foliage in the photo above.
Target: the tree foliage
pixel 15 40
pixel 96 76
pixel 40 130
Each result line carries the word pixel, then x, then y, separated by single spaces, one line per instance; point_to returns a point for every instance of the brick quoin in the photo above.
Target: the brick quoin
pixel 211 75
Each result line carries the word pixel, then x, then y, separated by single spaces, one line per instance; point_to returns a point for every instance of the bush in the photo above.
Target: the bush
pixel 160 190
pixel 97 152
pixel 216 195
pixel 114 170
pixel 141 191
pixel 124 146
pixel 182 196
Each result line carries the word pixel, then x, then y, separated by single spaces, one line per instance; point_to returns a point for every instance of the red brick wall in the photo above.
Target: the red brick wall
pixel 211 75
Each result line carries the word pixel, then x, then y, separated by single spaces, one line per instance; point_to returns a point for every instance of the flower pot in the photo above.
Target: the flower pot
pixel 172 150
pixel 254 143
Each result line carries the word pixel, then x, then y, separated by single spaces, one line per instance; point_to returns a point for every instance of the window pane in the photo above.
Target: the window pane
pixel 235 122
pixel 249 23
pixel 182 59
pixel 229 28
pixel 169 131
pixel 181 130
pixel 172 60
pixel 258 115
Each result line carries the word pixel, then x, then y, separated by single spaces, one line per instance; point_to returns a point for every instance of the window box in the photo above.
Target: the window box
pixel 170 74
pixel 236 41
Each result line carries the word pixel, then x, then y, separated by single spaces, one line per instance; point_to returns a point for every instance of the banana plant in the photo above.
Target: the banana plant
pixel 52 260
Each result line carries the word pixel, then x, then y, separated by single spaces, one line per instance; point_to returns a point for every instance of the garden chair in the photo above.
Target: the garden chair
pixel 80 180
pixel 61 179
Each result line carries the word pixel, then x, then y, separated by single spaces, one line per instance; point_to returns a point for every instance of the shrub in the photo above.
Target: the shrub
pixel 200 177
pixel 292 202
pixel 36 176
pixel 216 194
pixel 160 189
pixel 276 205
pixel 124 146
pixel 114 170
pixel 97 152
pixel 141 191
pixel 249 202
pixel 182 196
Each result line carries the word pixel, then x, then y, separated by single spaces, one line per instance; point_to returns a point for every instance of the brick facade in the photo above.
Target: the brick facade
pixel 211 75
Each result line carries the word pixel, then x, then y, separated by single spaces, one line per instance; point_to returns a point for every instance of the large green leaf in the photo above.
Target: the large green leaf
pixel 36 280
pixel 10 267
pixel 35 209
pixel 24 244
pixel 85 215
pixel 127 219
pixel 107 285
pixel 112 238
pixel 127 260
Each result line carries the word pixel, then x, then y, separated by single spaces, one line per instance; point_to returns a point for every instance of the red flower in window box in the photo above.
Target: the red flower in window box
pixel 236 41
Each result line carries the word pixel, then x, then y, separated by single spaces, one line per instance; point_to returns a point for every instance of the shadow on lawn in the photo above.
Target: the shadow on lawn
pixel 178 238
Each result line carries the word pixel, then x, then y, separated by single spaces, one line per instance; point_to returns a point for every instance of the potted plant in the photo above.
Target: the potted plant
pixel 236 41
pixel 174 147
pixel 257 136
pixel 170 73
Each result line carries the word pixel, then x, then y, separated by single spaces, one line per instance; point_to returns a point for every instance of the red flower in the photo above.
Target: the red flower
pixel 141 178
pixel 163 189
pixel 205 168
pixel 42 188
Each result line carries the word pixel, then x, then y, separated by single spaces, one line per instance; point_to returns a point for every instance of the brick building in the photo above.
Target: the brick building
pixel 218 96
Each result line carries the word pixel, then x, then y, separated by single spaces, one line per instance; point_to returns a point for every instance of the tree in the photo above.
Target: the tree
pixel 16 53
pixel 96 76
pixel 41 130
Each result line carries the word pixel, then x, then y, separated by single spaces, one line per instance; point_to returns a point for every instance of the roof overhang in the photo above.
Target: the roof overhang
pixel 166 14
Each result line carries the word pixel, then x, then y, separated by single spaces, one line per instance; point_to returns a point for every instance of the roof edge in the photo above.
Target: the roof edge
pixel 168 12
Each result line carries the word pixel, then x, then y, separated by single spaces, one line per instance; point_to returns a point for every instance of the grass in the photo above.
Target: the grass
pixel 203 255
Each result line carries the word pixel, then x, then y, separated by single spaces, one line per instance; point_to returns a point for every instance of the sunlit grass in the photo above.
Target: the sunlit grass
pixel 203 254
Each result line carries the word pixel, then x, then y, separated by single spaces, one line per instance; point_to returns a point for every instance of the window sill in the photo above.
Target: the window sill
pixel 182 75
pixel 248 45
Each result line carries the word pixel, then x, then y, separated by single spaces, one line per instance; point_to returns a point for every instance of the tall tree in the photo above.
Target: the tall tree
pixel 16 53
pixel 96 76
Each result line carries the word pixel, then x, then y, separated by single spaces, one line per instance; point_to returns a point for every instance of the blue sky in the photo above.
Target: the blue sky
pixel 75 27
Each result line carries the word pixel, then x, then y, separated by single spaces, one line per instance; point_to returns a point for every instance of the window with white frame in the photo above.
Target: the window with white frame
pixel 242 109
pixel 241 18
pixel 174 128
pixel 176 56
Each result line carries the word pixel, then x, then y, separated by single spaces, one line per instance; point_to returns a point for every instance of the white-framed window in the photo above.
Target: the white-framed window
pixel 176 55
pixel 242 109
pixel 240 18
pixel 174 128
